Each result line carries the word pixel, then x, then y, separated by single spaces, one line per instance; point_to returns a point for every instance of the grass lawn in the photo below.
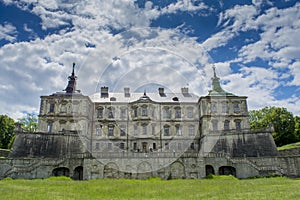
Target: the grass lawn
pixel 289 146
pixel 216 188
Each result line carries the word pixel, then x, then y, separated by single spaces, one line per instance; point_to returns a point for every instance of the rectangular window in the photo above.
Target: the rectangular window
pixel 99 130
pixel 144 111
pixel 166 131
pixel 192 146
pixel 99 113
pixel 154 146
pixel 226 125
pixel 63 108
pixel 238 125
pixel 122 145
pixel 178 130
pixel 135 112
pixel 52 106
pixel 110 113
pixel 97 146
pixel 215 125
pixel 49 127
pixel 236 108
pixel 123 113
pixel 123 130
pixel 213 107
pixel 225 107
pixel 167 146
pixel 166 113
pixel 153 129
pixel 190 113
pixel 144 129
pixel 191 130
pixel 110 130
pixel 178 113
pixel 135 146
pixel 135 131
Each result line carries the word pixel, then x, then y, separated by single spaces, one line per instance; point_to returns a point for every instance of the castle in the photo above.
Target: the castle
pixel 141 135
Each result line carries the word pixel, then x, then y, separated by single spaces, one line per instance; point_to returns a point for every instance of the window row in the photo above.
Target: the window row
pixel 145 129
pixel 225 107
pixel 145 146
pixel 226 127
pixel 144 111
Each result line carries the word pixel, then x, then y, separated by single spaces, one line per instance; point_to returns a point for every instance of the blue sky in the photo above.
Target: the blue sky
pixel 253 44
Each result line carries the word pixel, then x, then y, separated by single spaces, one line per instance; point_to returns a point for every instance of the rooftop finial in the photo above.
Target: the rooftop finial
pixel 214 68
pixel 73 71
pixel 71 87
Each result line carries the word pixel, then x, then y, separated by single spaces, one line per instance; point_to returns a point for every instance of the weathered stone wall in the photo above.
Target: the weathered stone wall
pixel 4 153
pixel 48 145
pixel 32 168
pixel 240 144
pixel 289 161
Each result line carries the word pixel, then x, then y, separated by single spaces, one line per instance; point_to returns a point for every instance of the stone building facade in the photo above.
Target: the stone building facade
pixel 140 135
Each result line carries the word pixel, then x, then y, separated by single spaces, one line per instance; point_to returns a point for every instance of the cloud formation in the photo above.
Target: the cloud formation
pixel 113 37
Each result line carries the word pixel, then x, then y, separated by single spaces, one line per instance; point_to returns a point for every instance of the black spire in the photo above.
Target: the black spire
pixel 71 88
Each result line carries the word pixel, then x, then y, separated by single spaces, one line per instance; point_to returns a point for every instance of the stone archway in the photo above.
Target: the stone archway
pixel 144 170
pixel 177 170
pixel 61 171
pixel 78 173
pixel 111 170
pixel 227 170
pixel 209 169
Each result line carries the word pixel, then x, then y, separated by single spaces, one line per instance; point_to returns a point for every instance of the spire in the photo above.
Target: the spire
pixel 71 88
pixel 217 90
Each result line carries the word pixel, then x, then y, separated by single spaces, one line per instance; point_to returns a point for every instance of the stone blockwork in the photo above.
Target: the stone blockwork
pixel 64 144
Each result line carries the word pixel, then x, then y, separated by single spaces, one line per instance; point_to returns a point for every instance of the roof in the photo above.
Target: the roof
pixel 156 97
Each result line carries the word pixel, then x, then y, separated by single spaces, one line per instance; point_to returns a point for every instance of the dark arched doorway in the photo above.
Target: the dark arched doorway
pixel 209 170
pixel 227 170
pixel 61 171
pixel 78 173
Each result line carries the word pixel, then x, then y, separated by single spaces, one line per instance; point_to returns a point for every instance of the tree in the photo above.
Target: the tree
pixel 29 123
pixel 297 127
pixel 281 120
pixel 7 126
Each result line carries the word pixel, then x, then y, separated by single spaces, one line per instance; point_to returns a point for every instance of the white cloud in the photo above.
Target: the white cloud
pixel 8 32
pixel 295 69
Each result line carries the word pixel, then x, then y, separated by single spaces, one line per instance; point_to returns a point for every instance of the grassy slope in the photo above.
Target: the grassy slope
pixel 221 188
pixel 289 146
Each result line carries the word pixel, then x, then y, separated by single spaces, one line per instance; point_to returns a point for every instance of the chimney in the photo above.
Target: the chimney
pixel 161 92
pixel 104 92
pixel 126 92
pixel 184 90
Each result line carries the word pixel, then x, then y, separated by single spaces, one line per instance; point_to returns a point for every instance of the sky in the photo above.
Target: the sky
pixel 254 45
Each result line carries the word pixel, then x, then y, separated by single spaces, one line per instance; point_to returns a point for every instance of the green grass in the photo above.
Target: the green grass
pixel 289 146
pixel 215 188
